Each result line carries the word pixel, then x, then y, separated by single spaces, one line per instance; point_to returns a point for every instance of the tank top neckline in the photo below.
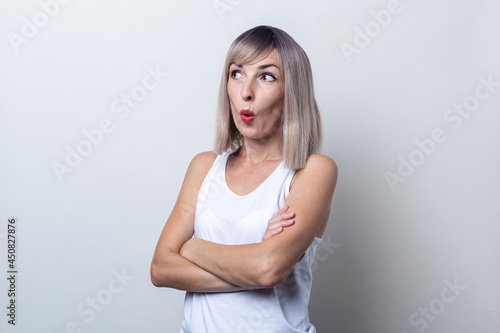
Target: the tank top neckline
pixel 224 166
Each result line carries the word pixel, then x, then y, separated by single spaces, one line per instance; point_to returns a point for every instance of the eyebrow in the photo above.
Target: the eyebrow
pixel 260 67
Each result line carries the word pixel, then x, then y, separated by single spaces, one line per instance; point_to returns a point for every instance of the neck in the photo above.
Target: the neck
pixel 256 151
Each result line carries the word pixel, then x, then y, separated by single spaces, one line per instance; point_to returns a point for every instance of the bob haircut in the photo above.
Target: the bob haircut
pixel 300 120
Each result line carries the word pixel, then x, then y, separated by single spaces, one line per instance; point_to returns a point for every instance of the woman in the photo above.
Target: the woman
pixel 242 235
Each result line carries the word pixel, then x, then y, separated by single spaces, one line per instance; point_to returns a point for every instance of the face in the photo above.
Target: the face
pixel 256 96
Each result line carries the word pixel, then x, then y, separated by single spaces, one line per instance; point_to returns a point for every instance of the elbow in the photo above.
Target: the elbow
pixel 164 271
pixel 272 274
pixel 158 276
pixel 269 281
pixel 155 279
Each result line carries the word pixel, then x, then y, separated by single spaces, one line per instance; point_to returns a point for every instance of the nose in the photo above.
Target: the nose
pixel 247 93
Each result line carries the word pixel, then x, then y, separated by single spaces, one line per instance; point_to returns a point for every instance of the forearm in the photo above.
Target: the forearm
pixel 174 271
pixel 247 266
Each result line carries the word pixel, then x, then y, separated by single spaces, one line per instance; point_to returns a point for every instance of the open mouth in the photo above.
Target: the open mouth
pixel 247 116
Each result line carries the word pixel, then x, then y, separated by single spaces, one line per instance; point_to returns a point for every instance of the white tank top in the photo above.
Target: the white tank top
pixel 227 218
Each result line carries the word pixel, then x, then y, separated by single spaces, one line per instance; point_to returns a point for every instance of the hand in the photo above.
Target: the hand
pixel 281 220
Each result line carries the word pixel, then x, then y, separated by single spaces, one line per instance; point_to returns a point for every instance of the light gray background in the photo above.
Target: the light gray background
pixel 388 255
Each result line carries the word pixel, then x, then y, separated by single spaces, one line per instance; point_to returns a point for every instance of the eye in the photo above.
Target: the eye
pixel 236 74
pixel 268 77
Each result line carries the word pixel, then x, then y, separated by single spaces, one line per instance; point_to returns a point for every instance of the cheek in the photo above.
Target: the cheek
pixel 230 95
pixel 231 91
pixel 276 103
pixel 275 97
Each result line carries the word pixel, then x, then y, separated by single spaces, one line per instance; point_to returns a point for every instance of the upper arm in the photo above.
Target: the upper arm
pixel 310 199
pixel 180 224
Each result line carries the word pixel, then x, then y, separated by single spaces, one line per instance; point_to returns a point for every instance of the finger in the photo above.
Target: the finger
pixel 284 209
pixel 283 216
pixel 279 217
pixel 281 211
pixel 278 227
pixel 282 222
pixel 285 223
pixel 273 232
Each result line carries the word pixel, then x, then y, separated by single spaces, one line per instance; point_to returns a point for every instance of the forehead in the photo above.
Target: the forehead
pixel 271 58
pixel 268 58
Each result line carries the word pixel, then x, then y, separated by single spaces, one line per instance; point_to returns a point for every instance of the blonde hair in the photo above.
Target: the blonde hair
pixel 301 122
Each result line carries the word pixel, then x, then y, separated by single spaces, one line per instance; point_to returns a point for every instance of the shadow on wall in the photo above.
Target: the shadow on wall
pixel 341 298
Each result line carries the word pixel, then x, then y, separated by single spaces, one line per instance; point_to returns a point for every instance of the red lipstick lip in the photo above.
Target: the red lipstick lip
pixel 247 113
pixel 247 116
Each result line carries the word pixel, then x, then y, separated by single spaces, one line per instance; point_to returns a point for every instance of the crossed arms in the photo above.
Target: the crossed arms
pixel 198 265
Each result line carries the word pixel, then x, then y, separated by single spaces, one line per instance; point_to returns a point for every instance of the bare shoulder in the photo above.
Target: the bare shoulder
pixel 319 167
pixel 323 162
pixel 201 164
pixel 204 159
pixel 197 171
